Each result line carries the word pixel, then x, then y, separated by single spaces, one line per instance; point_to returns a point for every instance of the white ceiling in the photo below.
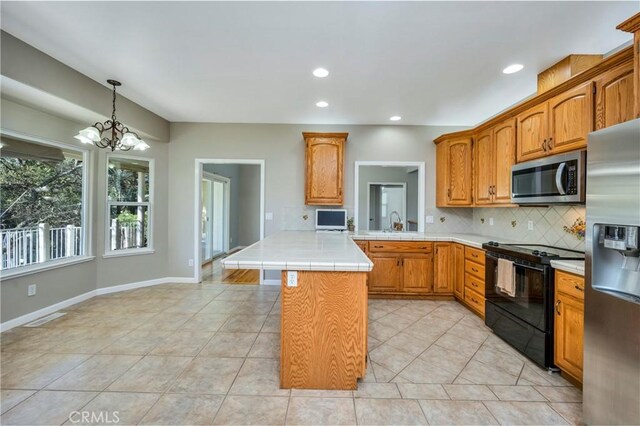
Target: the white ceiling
pixel 435 63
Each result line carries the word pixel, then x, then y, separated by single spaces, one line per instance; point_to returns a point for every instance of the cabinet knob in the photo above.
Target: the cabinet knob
pixel 579 288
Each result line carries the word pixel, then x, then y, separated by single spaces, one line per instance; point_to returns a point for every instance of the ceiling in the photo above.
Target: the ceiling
pixel 433 63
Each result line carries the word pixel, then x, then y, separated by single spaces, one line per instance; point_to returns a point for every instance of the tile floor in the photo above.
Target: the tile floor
pixel 208 354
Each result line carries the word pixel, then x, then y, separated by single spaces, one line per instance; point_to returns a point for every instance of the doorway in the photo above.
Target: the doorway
pixel 215 203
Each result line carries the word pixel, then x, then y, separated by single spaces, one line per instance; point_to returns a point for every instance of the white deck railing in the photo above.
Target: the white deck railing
pixel 38 244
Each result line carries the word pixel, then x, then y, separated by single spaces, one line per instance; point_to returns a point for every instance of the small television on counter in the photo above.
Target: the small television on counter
pixel 331 219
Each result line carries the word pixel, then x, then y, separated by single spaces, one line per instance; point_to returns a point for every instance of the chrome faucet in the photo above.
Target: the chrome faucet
pixel 391 227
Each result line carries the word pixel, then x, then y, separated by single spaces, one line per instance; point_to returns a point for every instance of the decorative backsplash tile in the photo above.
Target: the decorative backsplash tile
pixel 548 224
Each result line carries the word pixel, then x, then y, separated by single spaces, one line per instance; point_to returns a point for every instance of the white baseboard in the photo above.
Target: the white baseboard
pixel 27 318
pixel 271 282
pixel 236 248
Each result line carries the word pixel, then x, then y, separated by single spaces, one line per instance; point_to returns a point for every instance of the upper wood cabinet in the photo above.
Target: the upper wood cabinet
pixel 324 168
pixel 494 153
pixel 443 282
pixel 453 175
pixel 558 125
pixel 614 97
pixel 632 25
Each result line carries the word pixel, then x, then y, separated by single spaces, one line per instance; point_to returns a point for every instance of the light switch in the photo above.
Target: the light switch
pixel 292 278
pixel 429 219
pixel 490 221
pixel 268 216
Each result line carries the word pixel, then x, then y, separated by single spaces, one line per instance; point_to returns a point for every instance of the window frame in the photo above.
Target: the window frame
pixel 150 207
pixel 86 213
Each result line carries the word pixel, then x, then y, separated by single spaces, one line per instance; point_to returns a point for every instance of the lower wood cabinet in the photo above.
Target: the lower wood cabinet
pixel 417 273
pixel 569 324
pixel 443 282
pixel 386 275
pixel 457 270
pixel 473 269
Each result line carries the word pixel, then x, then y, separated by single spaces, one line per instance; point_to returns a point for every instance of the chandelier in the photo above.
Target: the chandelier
pixel 117 135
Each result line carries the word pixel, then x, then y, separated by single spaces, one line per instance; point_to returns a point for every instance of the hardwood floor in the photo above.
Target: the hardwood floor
pixel 213 272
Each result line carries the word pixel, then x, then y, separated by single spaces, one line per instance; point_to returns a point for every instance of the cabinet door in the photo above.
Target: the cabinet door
pixel 504 156
pixel 441 174
pixel 417 272
pixel 386 274
pixel 324 155
pixel 459 172
pixel 458 270
pixel 443 281
pixel 569 332
pixel 532 133
pixel 614 97
pixel 483 167
pixel 570 119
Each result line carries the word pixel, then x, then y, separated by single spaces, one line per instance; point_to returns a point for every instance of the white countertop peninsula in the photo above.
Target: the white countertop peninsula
pixel 473 240
pixel 571 266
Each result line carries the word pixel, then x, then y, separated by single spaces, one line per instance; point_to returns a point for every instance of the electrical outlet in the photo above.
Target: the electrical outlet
pixel 292 279
pixel 268 216
pixel 190 262
pixel 429 219
pixel 530 225
pixel 31 290
pixel 490 221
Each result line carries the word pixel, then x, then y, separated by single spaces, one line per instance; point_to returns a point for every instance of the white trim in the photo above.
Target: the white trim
pixel 27 318
pixel 271 282
pixel 149 204
pixel 421 185
pixel 21 271
pixel 227 208
pixel 404 199
pixel 199 162
pixel 128 252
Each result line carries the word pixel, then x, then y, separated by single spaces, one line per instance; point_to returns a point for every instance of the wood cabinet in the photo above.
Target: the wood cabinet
pixel 386 275
pixel 494 153
pixel 474 279
pixel 569 324
pixel 453 175
pixel 558 125
pixel 632 25
pixel 417 273
pixel 443 282
pixel 457 270
pixel 614 97
pixel 324 168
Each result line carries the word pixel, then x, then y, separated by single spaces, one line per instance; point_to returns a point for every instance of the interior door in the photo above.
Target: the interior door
pixel 215 220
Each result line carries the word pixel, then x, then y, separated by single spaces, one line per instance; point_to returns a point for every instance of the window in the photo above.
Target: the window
pixel 129 205
pixel 43 203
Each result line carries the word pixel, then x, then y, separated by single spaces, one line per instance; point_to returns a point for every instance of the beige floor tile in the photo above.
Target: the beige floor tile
pixel 389 412
pixel 571 411
pixel 390 357
pixel 381 374
pixel 511 364
pixel 480 373
pixel 151 374
pixel 40 371
pixel 165 322
pixel 9 398
pixel 252 410
pixel 96 373
pixel 254 308
pixel 244 324
pixel 127 406
pixel 320 411
pixel 517 393
pixel 183 409
pixel 524 413
pixel 377 390
pixel 420 371
pixel 534 375
pixel 229 345
pixel 381 332
pixel 410 344
pixel 372 342
pixel 422 391
pixel 443 358
pixel 267 345
pixel 205 322
pixel 469 333
pixel 461 345
pixel 396 321
pixel 208 376
pixel 259 376
pixel 183 343
pixel 46 408
pixel 320 393
pixel 470 392
pixel 560 393
pixel 136 342
pixel 457 413
pixel 220 307
pixel 272 324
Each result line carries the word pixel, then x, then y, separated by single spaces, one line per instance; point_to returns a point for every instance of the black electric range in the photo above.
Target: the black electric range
pixel 524 320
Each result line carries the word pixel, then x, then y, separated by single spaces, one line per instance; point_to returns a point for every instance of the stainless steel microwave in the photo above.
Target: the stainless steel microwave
pixel 551 180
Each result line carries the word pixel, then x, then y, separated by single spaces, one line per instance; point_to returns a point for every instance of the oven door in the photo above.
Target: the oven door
pixel 531 302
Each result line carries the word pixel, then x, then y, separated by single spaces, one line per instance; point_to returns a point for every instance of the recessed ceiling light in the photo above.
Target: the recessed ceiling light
pixel 395 118
pixel 513 68
pixel 322 104
pixel 320 72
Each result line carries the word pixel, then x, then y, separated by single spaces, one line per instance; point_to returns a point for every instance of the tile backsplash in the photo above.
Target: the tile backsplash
pixel 548 224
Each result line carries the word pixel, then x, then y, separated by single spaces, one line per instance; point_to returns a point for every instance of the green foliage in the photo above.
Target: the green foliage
pixel 33 192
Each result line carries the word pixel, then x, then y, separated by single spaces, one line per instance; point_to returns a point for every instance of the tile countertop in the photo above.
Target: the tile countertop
pixel 301 251
pixel 473 240
pixel 571 266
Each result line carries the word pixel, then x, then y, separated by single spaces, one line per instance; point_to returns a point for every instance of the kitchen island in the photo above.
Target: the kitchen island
pixel 324 306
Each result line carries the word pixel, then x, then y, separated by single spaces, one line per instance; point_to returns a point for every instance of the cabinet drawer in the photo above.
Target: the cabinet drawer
pixel 572 285
pixel 474 254
pixel 474 283
pixel 474 300
pixel 474 269
pixel 401 246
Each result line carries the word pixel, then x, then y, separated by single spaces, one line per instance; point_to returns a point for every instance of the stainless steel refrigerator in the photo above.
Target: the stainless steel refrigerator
pixel 611 389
